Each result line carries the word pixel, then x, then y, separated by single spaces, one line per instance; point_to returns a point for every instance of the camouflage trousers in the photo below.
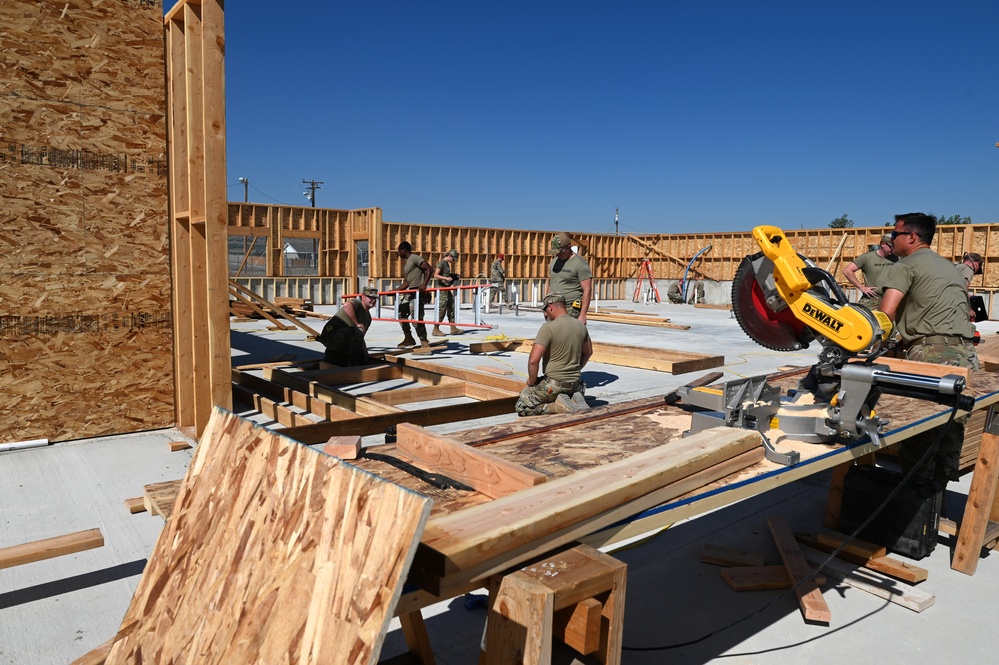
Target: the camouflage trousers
pixel 344 345
pixel 406 312
pixel 445 306
pixel 534 400
pixel 574 308
pixel 945 464
pixel 870 302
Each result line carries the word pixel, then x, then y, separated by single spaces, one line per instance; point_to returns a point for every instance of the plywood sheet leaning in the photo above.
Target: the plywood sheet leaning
pixel 275 553
pixel 85 320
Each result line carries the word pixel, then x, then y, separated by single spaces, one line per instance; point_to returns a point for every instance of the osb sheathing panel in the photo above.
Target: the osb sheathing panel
pixel 85 321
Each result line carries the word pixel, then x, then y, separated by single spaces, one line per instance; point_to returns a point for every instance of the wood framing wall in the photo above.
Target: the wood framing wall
pixel 611 257
pixel 85 321
pixel 195 38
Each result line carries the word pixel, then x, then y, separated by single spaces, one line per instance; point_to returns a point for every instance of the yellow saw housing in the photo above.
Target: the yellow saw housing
pixel 855 329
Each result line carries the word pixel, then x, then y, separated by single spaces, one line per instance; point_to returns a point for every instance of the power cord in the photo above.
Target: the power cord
pixel 891 495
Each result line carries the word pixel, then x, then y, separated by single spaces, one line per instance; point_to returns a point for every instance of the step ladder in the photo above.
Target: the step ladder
pixel 645 273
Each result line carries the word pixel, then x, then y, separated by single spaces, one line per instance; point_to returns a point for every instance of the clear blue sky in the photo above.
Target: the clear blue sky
pixel 687 115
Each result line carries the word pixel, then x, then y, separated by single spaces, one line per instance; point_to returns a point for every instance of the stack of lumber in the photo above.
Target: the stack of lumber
pixel 290 305
pixel 636 319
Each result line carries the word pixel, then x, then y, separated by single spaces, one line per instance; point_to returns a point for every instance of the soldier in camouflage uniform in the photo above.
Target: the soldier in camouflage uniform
pixel 928 300
pixel 563 343
pixel 343 335
pixel 570 275
pixel 445 299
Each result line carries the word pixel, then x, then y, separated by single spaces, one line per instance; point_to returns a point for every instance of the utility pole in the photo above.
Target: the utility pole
pixel 246 193
pixel 615 221
pixel 313 185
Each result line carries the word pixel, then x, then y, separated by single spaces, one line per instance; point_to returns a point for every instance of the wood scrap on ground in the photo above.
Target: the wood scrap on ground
pixel 761 578
pixel 813 605
pixel 48 548
pixel 730 556
pixel 865 556
pixel 323 551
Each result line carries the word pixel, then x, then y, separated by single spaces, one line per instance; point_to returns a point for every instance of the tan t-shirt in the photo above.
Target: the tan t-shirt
pixel 936 297
pixel 566 276
pixel 563 340
pixel 875 269
pixel 414 276
pixel 363 315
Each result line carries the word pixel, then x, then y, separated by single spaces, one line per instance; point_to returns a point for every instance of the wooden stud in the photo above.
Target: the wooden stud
pixel 344 447
pixel 48 548
pixel 179 445
pixel 813 605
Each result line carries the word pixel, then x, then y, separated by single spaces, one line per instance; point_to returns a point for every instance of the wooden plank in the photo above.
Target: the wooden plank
pixel 660 360
pixel 728 556
pixel 259 310
pixel 460 373
pixel 813 605
pixel 455 542
pixel 179 445
pixel 499 345
pixel 502 371
pixel 760 578
pixel 135 505
pixel 636 321
pixel 487 473
pixel 294 573
pixel 902 570
pixel 344 447
pixel 346 375
pixel 870 581
pixel 579 625
pixel 975 522
pixel 159 498
pixel 320 432
pixel 422 394
pixel 856 547
pixel 49 548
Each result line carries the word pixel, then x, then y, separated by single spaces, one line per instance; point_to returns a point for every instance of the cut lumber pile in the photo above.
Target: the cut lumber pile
pixel 813 606
pixel 323 551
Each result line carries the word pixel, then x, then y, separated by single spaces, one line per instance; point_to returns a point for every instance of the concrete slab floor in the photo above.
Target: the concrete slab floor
pixel 54 611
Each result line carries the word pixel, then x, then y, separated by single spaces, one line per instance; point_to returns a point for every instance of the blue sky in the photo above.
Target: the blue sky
pixel 688 116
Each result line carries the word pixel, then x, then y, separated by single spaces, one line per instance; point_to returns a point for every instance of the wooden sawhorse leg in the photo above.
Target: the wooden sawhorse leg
pixel 576 596
pixel 415 632
pixel 980 525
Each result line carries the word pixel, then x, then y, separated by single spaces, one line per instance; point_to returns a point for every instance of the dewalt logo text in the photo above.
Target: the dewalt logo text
pixel 823 318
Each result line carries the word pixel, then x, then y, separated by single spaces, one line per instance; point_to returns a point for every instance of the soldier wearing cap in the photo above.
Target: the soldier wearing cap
pixel 970 265
pixel 563 345
pixel 445 304
pixel 875 265
pixel 570 275
pixel 497 277
pixel 343 335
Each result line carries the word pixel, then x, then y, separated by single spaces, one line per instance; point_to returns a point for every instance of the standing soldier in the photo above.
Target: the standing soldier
pixel 570 275
pixel 445 299
pixel 875 265
pixel 497 277
pixel 416 274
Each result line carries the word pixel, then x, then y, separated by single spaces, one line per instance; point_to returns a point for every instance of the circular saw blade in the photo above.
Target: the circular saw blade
pixel 779 331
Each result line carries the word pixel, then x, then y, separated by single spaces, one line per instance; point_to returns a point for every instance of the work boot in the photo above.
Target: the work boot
pixel 579 401
pixel 409 341
pixel 455 330
pixel 424 343
pixel 436 332
pixel 562 404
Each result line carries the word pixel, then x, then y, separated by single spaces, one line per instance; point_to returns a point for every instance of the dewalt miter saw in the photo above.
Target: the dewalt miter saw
pixel 783 301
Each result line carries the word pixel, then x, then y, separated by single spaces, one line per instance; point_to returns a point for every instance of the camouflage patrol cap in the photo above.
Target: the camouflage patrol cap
pixel 886 238
pixel 977 258
pixel 369 291
pixel 552 298
pixel 559 242
pixel 453 253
